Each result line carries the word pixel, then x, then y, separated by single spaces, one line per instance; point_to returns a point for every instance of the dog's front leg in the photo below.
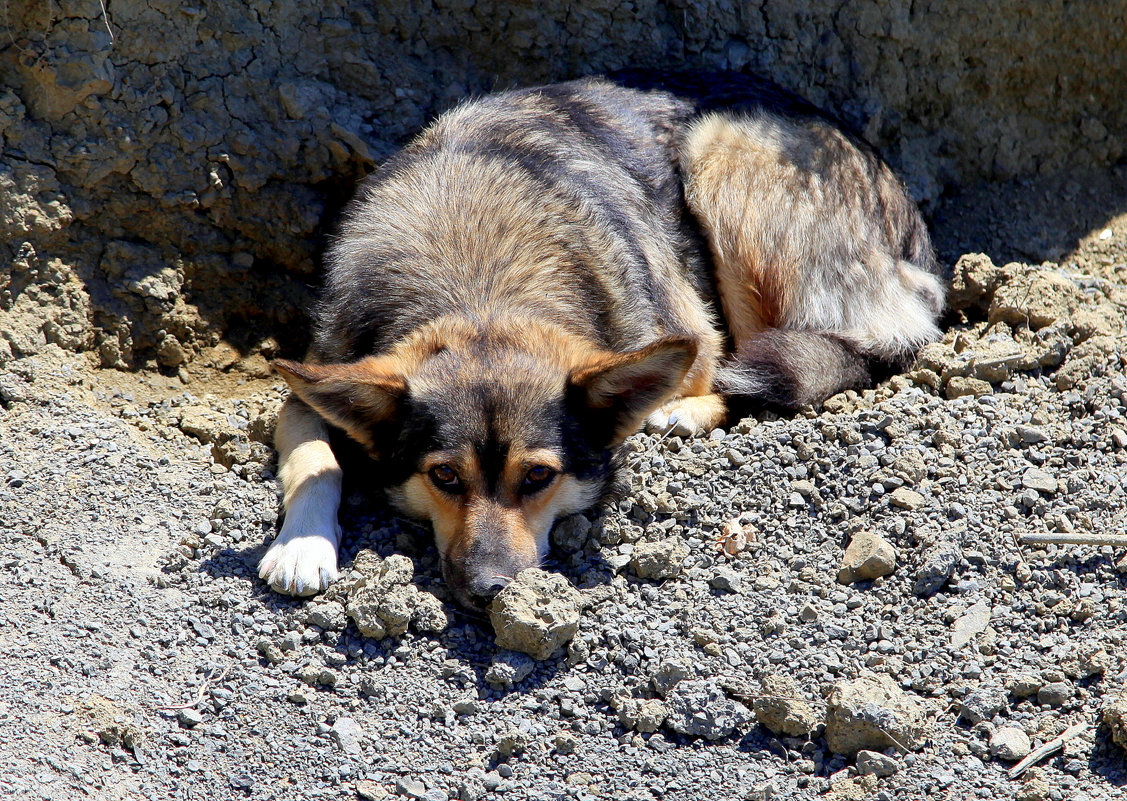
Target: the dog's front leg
pixel 303 558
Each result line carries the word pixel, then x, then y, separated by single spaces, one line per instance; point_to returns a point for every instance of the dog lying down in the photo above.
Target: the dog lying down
pixel 535 277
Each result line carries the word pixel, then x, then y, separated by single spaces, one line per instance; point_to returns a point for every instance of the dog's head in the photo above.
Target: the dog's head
pixel 492 435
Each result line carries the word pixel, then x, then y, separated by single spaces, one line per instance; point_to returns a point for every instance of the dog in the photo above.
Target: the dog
pixel 541 272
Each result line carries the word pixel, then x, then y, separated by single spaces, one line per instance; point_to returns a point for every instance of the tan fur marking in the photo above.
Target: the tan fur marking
pixel 519 461
pixel 720 157
pixel 303 448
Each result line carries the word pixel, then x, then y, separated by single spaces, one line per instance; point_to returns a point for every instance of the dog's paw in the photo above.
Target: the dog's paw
pixel 304 564
pixel 687 417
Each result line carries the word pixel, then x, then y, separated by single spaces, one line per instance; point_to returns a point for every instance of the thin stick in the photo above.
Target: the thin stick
pixel 200 695
pixel 1054 745
pixel 1118 540
pixel 106 19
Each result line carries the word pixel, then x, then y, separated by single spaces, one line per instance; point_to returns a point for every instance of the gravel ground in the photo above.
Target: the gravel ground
pixel 144 659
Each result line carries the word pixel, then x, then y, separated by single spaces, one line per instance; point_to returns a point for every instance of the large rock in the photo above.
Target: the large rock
pixel 868 556
pixel 1036 298
pixel 780 707
pixel 659 560
pixel 873 713
pixel 536 613
pixel 382 601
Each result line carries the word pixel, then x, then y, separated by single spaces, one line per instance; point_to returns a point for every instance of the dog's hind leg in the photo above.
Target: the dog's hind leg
pixel 303 558
pixel 822 260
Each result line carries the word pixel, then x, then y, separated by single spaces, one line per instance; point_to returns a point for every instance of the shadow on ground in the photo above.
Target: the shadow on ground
pixel 1034 219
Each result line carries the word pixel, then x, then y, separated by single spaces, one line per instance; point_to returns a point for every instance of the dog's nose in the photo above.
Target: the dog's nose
pixel 483 592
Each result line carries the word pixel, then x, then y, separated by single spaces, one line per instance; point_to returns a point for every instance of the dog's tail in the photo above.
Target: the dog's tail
pixel 792 368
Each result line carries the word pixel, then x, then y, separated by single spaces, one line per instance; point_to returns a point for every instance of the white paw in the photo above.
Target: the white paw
pixel 687 417
pixel 667 421
pixel 301 564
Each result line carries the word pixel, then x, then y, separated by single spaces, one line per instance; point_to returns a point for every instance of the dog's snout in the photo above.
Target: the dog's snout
pixel 481 593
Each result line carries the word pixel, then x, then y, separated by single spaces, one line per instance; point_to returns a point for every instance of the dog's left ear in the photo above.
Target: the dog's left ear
pixel 621 389
pixel 353 396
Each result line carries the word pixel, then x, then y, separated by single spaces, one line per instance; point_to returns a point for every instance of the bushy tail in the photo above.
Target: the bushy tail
pixel 792 368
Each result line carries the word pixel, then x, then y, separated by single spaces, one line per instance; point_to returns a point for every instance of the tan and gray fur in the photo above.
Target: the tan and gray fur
pixel 535 277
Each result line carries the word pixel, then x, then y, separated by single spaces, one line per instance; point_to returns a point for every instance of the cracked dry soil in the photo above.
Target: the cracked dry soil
pixel 143 658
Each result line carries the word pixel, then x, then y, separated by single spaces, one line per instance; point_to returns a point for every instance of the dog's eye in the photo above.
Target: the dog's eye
pixel 537 478
pixel 445 478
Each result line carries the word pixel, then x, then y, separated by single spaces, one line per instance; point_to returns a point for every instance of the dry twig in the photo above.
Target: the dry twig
pixel 1050 747
pixel 202 692
pixel 1117 540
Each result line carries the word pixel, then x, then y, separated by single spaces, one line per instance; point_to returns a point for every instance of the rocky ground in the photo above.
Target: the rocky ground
pixel 835 605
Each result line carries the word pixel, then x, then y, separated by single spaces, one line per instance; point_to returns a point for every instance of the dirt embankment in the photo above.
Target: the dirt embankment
pixel 168 171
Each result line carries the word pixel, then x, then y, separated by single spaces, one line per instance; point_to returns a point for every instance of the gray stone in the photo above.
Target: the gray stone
pixel 1037 479
pixel 328 615
pixel 701 709
pixel 971 623
pixel 982 704
pixel 1010 743
pixel 509 668
pixel 1055 693
pixel 876 764
pixel 726 579
pixel 189 718
pixel 412 788
pixel 667 675
pixel 939 561
pixel 570 533
pixel 536 613
pixel 348 735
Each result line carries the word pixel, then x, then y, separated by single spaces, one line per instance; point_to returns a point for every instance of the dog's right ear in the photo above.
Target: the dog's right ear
pixel 620 389
pixel 353 396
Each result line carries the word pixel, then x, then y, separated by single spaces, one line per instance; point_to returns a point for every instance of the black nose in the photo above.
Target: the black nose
pixel 481 593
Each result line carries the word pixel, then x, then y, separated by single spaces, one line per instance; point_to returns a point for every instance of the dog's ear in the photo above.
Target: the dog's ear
pixel 354 396
pixel 620 389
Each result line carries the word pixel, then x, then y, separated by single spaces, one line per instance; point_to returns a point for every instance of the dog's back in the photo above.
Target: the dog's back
pixel 562 203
